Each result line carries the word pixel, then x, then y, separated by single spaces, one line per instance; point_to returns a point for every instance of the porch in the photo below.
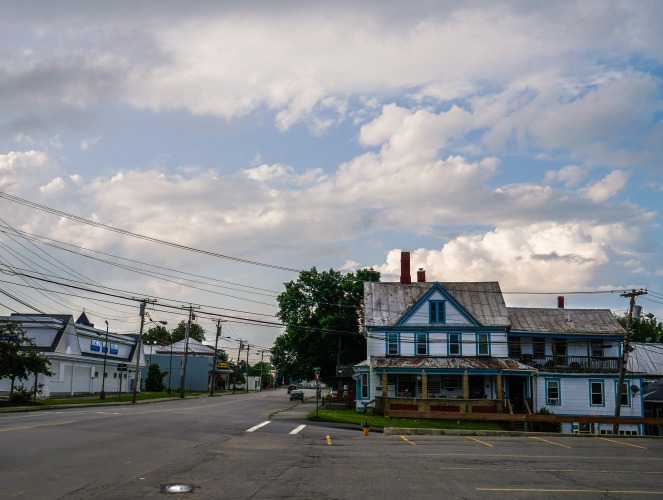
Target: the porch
pixel 570 364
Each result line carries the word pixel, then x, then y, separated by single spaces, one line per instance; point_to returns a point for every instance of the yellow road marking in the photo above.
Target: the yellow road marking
pixel 328 440
pixel 543 490
pixel 625 444
pixel 478 441
pixel 579 471
pixel 551 442
pixel 23 427
pixel 408 441
pixel 575 457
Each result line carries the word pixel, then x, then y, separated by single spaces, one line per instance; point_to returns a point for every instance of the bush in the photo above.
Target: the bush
pixel 154 381
pixel 547 426
pixel 22 394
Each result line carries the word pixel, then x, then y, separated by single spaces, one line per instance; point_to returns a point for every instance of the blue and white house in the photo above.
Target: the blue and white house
pixel 456 347
pixel 76 350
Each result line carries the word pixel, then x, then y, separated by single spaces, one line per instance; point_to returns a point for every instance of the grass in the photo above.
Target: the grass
pixel 354 417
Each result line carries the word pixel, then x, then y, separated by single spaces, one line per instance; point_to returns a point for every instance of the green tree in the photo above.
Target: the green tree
pixel 321 312
pixel 644 329
pixel 158 335
pixel 261 369
pixel 154 380
pixel 18 357
pixel 197 332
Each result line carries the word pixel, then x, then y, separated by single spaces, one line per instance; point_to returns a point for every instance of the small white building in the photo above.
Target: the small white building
pixel 77 352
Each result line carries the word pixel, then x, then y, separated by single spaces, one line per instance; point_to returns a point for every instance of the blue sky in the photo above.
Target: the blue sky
pixel 518 142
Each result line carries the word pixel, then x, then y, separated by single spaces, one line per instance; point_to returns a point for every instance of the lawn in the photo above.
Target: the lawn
pixel 354 417
pixel 110 398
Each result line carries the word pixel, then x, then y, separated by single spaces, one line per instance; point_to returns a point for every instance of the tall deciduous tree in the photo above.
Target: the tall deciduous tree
pixel 197 332
pixel 322 315
pixel 158 335
pixel 644 329
pixel 18 357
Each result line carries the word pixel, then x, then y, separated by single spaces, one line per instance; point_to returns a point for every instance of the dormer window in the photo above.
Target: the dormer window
pixel 436 311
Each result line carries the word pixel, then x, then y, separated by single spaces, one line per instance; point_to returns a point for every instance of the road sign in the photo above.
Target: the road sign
pixel 316 368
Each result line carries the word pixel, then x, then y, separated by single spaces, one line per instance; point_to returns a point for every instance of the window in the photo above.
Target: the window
pixel 514 347
pixel 392 344
pixel 421 344
pixel 596 348
pixel 596 393
pixel 451 382
pixel 539 347
pixel 552 392
pixel 626 396
pixel 453 344
pixel 436 311
pixel 364 386
pixel 483 344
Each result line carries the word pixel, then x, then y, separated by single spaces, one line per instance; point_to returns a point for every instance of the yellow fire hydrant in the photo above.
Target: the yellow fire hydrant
pixel 366 428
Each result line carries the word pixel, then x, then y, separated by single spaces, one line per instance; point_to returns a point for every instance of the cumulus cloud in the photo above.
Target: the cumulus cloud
pixel 607 187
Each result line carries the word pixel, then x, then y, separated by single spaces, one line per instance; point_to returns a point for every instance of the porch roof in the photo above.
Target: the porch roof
pixel 452 363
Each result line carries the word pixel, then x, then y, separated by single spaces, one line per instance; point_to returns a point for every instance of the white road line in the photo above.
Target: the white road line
pixel 256 427
pixel 296 430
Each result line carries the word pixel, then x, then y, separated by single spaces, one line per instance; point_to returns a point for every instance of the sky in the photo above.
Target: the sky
pixel 516 141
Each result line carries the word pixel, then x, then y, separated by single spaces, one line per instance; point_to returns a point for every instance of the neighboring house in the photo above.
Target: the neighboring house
pixel 456 347
pixel 653 397
pixel 199 365
pixel 76 350
pixel 646 358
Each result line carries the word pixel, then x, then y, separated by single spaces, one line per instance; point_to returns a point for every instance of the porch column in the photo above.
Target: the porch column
pixel 498 386
pixel 384 384
pixel 466 385
pixel 424 385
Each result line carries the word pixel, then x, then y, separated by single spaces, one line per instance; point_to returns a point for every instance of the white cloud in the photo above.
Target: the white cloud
pixel 570 175
pixel 607 187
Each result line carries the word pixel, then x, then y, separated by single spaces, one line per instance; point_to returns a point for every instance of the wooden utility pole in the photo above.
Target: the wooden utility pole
pixel 139 347
pixel 247 367
pixel 187 332
pixel 619 392
pixel 216 347
pixel 239 352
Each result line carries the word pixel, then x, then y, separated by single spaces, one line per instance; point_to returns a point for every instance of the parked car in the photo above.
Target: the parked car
pixel 297 394
pixel 291 388
pixel 333 395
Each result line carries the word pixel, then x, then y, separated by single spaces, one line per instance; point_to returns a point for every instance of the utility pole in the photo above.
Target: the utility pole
pixel 247 367
pixel 186 349
pixel 139 346
pixel 216 346
pixel 239 351
pixel 625 352
pixel 262 353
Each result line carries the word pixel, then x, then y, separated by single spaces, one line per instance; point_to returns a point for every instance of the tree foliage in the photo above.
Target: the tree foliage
pixel 197 332
pixel 644 329
pixel 18 357
pixel 158 335
pixel 318 309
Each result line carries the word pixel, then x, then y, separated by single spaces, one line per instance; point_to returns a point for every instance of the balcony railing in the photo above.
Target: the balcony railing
pixel 571 364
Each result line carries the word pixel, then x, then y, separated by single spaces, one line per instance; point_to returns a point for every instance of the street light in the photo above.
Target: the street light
pixel 102 395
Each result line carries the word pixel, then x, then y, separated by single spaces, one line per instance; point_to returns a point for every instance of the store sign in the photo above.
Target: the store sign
pixel 95 345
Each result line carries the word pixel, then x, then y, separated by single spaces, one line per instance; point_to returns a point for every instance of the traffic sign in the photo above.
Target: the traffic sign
pixel 316 368
pixel 317 375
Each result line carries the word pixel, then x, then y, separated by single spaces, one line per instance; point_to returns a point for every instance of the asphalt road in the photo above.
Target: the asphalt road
pixel 229 447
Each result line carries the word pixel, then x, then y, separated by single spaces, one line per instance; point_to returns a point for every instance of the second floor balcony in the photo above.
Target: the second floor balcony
pixel 570 364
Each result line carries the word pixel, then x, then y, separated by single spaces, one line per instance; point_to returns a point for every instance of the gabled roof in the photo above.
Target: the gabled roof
pixel 564 321
pixel 83 320
pixel 386 303
pixel 654 392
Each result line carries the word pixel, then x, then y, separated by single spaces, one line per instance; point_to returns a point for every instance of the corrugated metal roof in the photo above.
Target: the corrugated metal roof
pixel 654 392
pixel 386 303
pixel 567 321
pixel 646 358
pixel 460 363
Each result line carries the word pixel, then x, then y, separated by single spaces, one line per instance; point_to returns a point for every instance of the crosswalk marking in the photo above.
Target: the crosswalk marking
pixel 297 429
pixel 256 427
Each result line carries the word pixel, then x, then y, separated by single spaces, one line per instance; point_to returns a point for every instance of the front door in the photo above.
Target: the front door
pixel 516 387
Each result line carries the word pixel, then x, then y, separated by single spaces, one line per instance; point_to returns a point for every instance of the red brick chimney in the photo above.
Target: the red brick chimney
pixel 405 268
pixel 421 275
pixel 560 301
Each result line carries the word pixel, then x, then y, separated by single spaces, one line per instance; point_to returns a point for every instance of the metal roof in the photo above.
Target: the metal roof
pixel 386 303
pixel 566 321
pixel 653 392
pixel 646 358
pixel 458 363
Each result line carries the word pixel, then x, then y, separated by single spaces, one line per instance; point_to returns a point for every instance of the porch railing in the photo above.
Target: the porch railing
pixel 577 364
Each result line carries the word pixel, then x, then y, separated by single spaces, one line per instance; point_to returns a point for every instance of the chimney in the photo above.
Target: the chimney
pixel 560 301
pixel 405 268
pixel 421 275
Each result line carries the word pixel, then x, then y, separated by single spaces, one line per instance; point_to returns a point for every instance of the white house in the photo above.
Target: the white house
pixel 456 347
pixel 77 350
